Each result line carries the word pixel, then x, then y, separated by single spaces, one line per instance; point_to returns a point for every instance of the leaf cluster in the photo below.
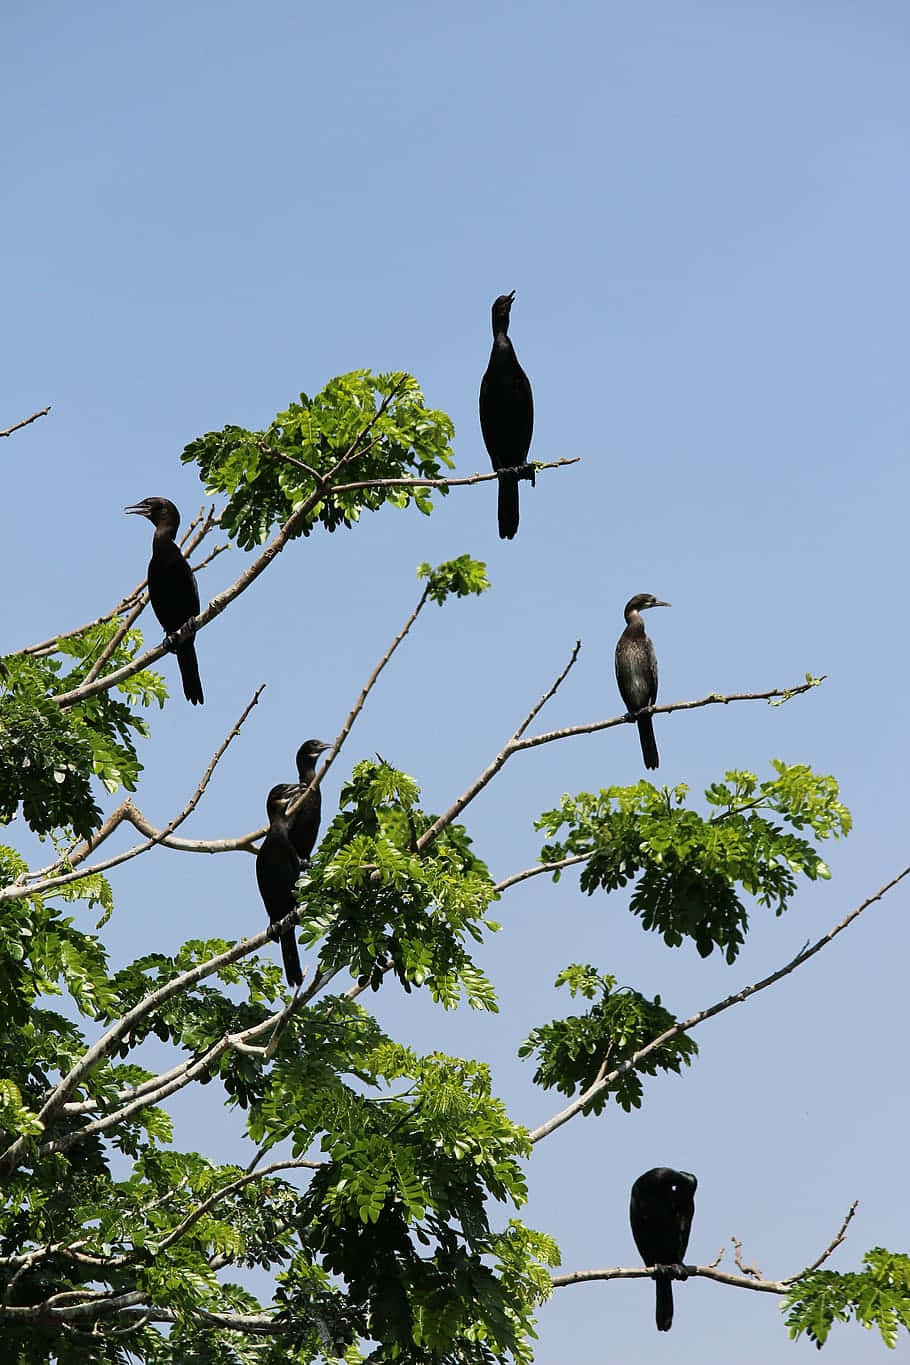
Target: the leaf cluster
pixel 877 1296
pixel 49 755
pixel 576 1051
pixel 375 900
pixel 360 427
pixel 691 872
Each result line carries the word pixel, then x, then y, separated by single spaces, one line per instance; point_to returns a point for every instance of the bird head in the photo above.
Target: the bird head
pixel 642 600
pixel 279 798
pixel 502 307
pixel 308 752
pixel 157 510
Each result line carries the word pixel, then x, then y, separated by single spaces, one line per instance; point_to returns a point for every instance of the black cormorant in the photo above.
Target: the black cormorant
pixel 172 587
pixel 506 415
pixel 661 1212
pixel 304 825
pixel 277 870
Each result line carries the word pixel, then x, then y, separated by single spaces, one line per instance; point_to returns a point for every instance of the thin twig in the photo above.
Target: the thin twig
pixel 17 426
pixel 687 1025
pixel 449 483
pixel 535 871
pixel 509 748
pixel 358 705
pixel 829 1249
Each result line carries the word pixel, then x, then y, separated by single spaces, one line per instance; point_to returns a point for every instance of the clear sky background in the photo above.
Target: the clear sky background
pixel 705 212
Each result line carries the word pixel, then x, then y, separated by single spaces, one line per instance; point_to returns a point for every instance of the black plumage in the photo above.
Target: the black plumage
pixel 172 587
pixel 304 824
pixel 506 415
pixel 636 672
pixel 277 870
pixel 661 1212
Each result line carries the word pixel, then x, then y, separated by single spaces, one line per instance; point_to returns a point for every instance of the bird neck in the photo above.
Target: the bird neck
pixel 634 624
pixel 164 531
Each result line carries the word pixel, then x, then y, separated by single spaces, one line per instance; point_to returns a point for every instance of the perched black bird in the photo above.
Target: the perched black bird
pixel 172 587
pixel 636 672
pixel 277 870
pixel 506 415
pixel 304 824
pixel 661 1212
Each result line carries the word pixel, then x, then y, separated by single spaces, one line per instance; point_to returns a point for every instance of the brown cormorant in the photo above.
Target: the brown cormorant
pixel 636 672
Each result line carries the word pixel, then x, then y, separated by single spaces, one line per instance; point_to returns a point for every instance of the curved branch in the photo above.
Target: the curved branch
pixel 127 812
pixel 728 1002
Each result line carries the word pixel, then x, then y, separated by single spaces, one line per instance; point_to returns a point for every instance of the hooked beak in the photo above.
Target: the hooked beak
pixel 139 508
pixel 661 604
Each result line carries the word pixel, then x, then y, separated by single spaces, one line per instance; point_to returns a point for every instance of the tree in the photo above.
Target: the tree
pixel 386 1226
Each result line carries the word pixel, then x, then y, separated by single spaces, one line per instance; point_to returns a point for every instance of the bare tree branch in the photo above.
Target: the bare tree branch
pixel 829 1249
pixel 687 1025
pixel 359 705
pixel 535 871
pixel 708 1272
pixel 449 483
pixel 26 421
pixel 509 748
pixel 751 1277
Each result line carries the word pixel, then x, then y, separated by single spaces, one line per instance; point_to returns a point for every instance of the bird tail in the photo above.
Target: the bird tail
pixel 664 1303
pixel 189 672
pixel 648 743
pixel 291 959
pixel 508 506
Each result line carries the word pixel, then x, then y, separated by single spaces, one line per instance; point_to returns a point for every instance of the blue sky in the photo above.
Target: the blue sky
pixel 704 211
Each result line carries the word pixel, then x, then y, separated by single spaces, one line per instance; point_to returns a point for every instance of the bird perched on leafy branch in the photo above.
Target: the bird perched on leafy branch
pixel 277 870
pixel 661 1212
pixel 506 415
pixel 172 587
pixel 636 672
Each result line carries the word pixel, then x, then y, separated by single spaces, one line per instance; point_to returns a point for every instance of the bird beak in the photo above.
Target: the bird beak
pixel 511 297
pixel 661 604
pixel 140 509
pixel 323 747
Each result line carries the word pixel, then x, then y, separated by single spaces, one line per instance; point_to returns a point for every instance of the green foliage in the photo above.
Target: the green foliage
pixel 461 576
pixel 575 1052
pixel 48 755
pixel 877 1296
pixel 375 898
pixel 687 867
pixel 360 428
